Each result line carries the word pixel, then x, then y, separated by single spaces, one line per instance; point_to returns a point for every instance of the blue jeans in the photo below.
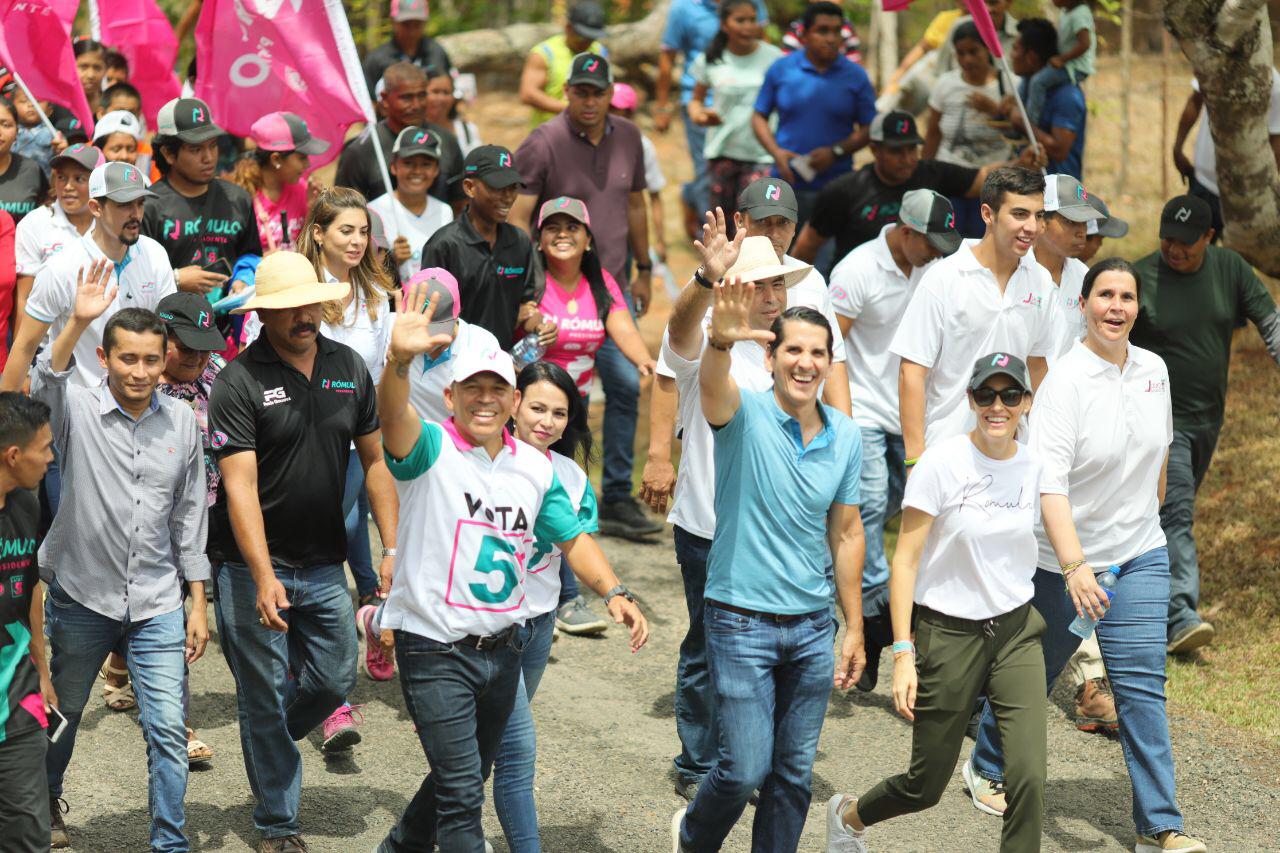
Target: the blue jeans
pixel 1189 458
pixel 514 766
pixel 697 192
pixel 772 681
pixel 355 509
pixel 81 640
pixel 568 584
pixel 1132 639
pixel 883 477
pixel 1042 83
pixel 621 383
pixel 460 699
pixel 697 723
pixel 286 684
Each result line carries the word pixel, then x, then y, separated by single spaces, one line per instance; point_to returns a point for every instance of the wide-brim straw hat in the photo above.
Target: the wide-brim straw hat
pixel 289 280
pixel 757 261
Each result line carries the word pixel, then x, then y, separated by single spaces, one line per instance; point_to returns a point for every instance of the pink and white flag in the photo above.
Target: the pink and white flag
pixel 35 43
pixel 142 32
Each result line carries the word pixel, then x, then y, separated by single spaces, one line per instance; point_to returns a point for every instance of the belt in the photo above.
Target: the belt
pixel 489 642
pixel 768 617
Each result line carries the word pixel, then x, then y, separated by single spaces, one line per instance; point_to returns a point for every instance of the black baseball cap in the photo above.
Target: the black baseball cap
pixel 190 317
pixel 587 20
pixel 590 69
pixel 1108 225
pixel 416 140
pixel 766 197
pixel 1185 219
pixel 491 164
pixel 188 119
pixel 932 215
pixel 895 129
pixel 996 363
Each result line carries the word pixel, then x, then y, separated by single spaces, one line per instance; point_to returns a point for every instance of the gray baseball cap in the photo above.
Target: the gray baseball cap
pixel 1108 226
pixel 766 197
pixel 931 214
pixel 1066 196
pixel 188 119
pixel 995 363
pixel 120 182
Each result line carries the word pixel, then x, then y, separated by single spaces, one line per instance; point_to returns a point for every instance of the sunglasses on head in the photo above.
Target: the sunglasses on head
pixel 985 396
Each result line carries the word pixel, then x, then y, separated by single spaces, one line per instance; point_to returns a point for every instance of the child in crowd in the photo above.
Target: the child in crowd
pixel 410 215
pixel 91 64
pixel 35 140
pixel 1077 47
pixel 117 69
pixel 118 135
pixel 624 103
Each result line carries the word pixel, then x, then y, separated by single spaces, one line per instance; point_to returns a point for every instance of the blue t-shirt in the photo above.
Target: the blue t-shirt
pixel 770 550
pixel 691 25
pixel 1065 107
pixel 816 108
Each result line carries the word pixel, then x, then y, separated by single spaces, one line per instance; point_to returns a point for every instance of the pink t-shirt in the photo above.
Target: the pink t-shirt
pixel 273 216
pixel 582 331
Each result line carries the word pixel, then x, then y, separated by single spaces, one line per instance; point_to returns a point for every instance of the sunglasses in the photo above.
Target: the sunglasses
pixel 985 396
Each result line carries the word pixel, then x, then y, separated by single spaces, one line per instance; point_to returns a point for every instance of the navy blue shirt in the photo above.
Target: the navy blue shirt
pixel 1065 108
pixel 816 108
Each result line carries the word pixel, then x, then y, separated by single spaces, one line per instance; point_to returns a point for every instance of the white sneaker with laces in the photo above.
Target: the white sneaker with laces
pixel 842 838
pixel 987 796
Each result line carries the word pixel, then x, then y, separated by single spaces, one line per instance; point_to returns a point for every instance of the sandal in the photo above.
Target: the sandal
pixel 118 697
pixel 198 752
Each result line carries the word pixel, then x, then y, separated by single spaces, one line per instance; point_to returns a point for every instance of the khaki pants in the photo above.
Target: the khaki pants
pixel 1086 663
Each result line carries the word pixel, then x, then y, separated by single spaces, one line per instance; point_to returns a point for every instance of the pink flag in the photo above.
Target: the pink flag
pixel 140 31
pixel 35 44
pixel 256 58
pixel 981 19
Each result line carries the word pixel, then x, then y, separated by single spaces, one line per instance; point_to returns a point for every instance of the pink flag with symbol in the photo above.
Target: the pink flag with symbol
pixel 140 31
pixel 35 43
pixel 266 55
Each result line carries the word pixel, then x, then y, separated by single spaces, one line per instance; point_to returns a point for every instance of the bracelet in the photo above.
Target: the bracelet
pixel 388 552
pixel 711 342
pixel 644 267
pixel 701 278
pixel 177 277
pixel 903 647
pixel 907 463
pixel 1071 567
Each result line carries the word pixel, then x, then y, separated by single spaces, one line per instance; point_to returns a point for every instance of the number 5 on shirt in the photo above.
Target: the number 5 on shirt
pixel 486 569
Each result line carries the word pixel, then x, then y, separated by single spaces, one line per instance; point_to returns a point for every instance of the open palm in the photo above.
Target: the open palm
pixel 411 335
pixel 94 291
pixel 731 313
pixel 718 252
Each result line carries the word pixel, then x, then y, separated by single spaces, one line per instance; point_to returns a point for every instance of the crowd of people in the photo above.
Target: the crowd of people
pixel 263 363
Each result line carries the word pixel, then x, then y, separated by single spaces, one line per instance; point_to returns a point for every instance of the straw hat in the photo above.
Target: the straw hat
pixel 288 280
pixel 758 261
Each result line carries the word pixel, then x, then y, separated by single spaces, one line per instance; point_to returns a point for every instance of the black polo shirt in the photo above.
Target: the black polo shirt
pixel 491 282
pixel 301 431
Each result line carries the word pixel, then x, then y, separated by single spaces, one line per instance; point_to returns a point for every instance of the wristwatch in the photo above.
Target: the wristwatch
pixel 645 267
pixel 701 278
pixel 620 589
pixel 838 150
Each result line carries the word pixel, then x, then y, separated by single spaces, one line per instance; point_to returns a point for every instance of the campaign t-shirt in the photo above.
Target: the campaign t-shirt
pixel 542 581
pixel 23 187
pixel 280 221
pixel 400 221
pixel 582 332
pixel 219 225
pixel 23 710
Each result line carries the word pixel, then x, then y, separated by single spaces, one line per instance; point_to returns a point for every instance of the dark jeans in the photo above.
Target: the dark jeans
pixel 355 510
pixel 460 699
pixel 696 718
pixel 1189 458
pixel 621 383
pixel 24 796
pixel 286 684
pixel 772 682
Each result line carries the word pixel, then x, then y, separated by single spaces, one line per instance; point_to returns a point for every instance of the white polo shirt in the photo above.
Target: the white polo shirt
pixel 1068 319
pixel 542 583
pixel 868 287
pixel 41 234
pixel 1102 435
pixel 466 533
pixel 958 314
pixel 429 377
pixel 144 278
pixel 400 221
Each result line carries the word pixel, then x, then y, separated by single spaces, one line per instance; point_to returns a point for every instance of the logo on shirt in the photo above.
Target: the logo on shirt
pixel 872 212
pixel 513 518
pixel 510 272
pixel 274 396
pixel 1156 386
pixel 218 439
pixel 342 386
pixel 971 496
pixel 1033 300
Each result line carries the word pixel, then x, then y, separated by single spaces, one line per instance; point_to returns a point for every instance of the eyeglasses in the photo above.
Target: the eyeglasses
pixel 985 396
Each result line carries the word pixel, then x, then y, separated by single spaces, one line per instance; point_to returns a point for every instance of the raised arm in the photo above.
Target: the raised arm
pixel 94 294
pixel 729 324
pixel 718 254
pixel 410 337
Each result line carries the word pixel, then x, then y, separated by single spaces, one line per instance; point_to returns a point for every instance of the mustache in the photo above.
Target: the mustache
pixel 299 328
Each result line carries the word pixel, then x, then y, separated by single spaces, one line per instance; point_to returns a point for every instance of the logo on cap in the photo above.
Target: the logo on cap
pixel 420 137
pixel 1183 214
pixel 504 159
pixel 131 174
pixel 903 125
pixel 950 221
pixel 1081 194
pixel 591 65
pixel 203 320
pixel 564 202
pixel 1000 360
pixel 197 114
pixel 773 192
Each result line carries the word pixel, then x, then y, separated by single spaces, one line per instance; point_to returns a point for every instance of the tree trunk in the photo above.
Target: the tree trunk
pixel 1229 47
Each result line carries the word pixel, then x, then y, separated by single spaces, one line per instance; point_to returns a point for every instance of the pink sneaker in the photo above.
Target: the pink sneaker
pixel 378 665
pixel 340 729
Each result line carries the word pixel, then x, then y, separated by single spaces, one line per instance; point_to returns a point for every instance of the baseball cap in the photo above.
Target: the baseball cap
pixel 190 317
pixel 1067 197
pixel 378 231
pixel 766 197
pixel 82 154
pixel 119 182
pixel 1185 219
pixel 416 140
pixel 590 69
pixel 471 362
pixel 188 119
pixel 491 164
pixel 624 97
pixel 441 281
pixel 931 214
pixel 285 132
pixel 996 363
pixel 574 208
pixel 409 10
pixel 587 20
pixel 1108 226
pixel 118 121
pixel 895 129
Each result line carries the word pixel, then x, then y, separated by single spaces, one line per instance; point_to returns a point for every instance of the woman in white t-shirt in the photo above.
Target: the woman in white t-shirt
pixel 965 559
pixel 1102 428
pixel 409 213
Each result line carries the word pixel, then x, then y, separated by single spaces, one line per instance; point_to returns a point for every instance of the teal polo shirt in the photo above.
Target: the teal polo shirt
pixel 770 550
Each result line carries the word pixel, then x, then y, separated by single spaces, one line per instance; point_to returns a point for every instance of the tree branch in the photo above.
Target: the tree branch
pixel 1235 19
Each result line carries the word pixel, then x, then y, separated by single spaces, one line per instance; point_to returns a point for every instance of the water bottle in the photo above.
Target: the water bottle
pixel 527 351
pixel 1083 625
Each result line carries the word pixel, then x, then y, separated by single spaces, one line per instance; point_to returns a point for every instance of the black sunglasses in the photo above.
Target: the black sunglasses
pixel 985 396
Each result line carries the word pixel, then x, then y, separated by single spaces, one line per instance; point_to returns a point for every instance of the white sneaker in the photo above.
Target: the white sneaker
pixel 677 822
pixel 987 796
pixel 842 838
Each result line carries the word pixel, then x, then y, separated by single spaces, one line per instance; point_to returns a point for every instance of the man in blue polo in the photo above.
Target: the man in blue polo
pixel 1060 130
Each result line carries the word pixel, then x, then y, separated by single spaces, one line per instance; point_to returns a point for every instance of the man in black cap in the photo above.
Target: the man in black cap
pixel 409 43
pixel 203 222
pixel 549 62
pixel 854 208
pixel 1193 294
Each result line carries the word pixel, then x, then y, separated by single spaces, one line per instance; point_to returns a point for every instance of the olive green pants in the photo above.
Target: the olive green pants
pixel 956 659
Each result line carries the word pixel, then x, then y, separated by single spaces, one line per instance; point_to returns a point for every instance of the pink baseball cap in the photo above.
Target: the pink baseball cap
pixel 441 281
pixel 285 132
pixel 624 97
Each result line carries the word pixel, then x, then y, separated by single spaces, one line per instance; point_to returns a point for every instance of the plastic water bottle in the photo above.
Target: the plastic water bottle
pixel 527 351
pixel 1083 625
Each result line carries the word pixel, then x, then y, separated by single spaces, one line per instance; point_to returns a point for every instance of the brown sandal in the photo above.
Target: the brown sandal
pixel 118 697
pixel 198 752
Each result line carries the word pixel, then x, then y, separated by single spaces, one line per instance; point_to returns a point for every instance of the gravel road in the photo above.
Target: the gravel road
pixel 606 737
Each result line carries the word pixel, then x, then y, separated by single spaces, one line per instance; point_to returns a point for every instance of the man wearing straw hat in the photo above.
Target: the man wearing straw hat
pixel 281 417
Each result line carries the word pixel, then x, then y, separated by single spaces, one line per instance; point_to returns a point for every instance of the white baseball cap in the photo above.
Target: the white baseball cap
pixel 475 361
pixel 118 121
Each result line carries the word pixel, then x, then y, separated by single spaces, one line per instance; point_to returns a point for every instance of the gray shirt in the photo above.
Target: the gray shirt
pixel 132 521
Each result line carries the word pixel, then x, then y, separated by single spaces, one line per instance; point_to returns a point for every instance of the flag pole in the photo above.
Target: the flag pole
pixel 1022 109
pixel 17 78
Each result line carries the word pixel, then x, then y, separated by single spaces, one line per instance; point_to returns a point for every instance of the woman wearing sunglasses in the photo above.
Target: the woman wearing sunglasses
pixel 965 559
pixel 1102 427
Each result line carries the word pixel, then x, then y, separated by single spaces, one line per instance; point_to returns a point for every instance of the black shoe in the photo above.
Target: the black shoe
pixel 626 519
pixel 687 788
pixel 57 826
